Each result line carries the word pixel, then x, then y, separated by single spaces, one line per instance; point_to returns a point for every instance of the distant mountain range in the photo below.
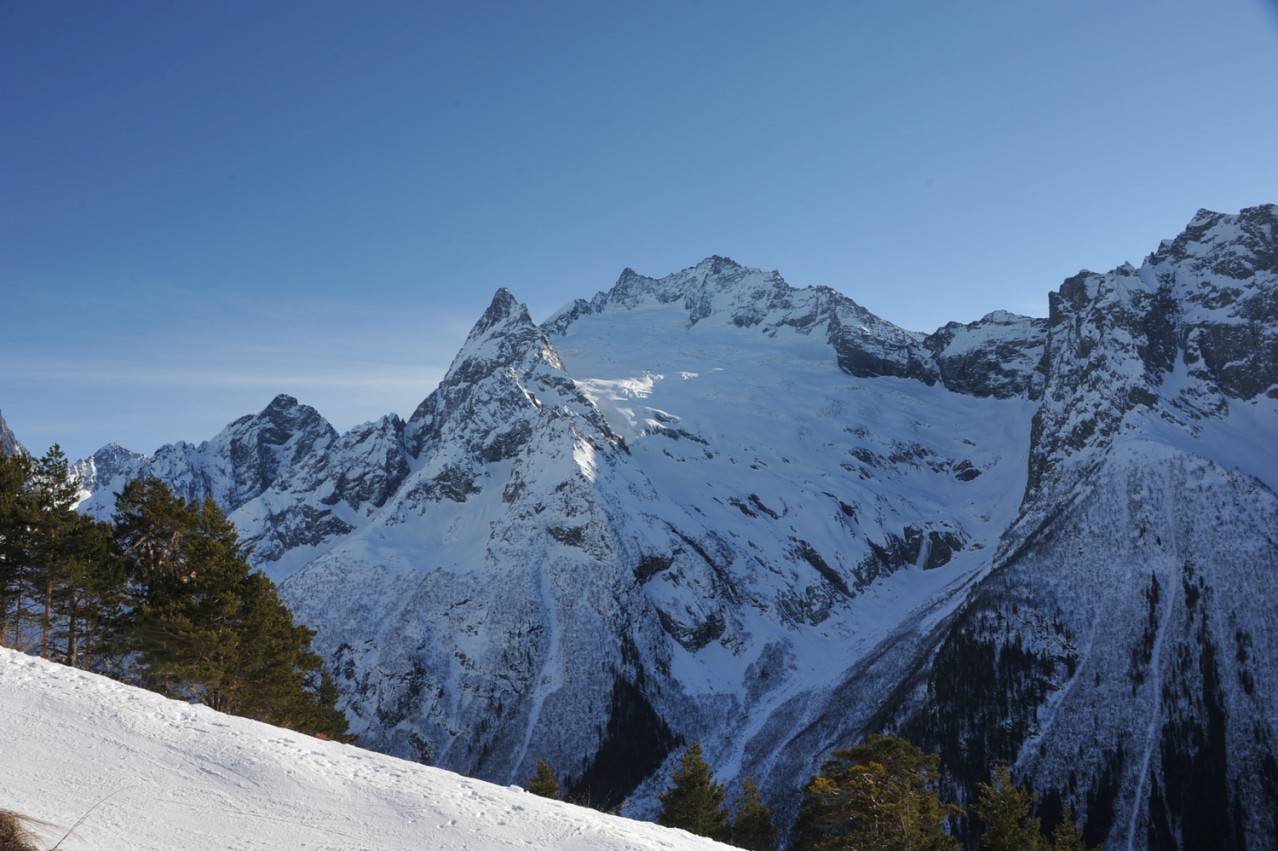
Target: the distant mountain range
pixel 716 507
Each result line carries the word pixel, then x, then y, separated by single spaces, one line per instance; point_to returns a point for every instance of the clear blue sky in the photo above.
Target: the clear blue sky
pixel 205 204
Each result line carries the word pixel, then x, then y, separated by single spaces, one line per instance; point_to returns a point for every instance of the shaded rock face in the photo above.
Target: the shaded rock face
pixel 260 447
pixel 1195 326
pixel 1223 267
pixel 9 444
pixel 713 506
pixel 997 356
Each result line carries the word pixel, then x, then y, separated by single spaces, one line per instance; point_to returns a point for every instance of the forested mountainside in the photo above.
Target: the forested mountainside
pixel 716 507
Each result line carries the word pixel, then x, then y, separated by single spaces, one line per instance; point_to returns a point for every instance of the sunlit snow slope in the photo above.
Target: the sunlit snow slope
pixel 145 772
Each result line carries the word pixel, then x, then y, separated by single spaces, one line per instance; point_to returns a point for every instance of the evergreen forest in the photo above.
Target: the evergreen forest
pixel 882 794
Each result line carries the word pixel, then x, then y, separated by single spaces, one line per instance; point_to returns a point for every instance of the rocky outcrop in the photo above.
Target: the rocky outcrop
pixel 999 355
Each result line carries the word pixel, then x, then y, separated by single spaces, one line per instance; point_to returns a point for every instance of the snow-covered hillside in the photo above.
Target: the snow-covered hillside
pixel 714 506
pixel 130 770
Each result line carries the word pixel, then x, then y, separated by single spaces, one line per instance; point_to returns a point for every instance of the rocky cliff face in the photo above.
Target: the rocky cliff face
pixel 713 506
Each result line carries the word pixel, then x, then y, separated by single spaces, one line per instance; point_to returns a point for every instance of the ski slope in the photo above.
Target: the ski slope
pixel 131 770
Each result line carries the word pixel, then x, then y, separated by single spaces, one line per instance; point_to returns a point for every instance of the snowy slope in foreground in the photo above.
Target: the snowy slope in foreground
pixel 180 776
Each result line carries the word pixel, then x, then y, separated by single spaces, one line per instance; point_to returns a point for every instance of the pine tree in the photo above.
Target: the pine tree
pixel 15 472
pixel 51 498
pixel 694 801
pixel 204 626
pixel 879 794
pixel 89 600
pixel 151 527
pixel 1067 836
pixel 321 716
pixel 1007 811
pixel 753 829
pixel 188 595
pixel 543 781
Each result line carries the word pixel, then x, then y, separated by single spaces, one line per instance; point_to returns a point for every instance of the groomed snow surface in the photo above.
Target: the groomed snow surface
pixel 147 772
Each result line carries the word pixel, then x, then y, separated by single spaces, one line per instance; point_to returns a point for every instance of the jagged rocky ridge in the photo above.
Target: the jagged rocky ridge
pixel 713 506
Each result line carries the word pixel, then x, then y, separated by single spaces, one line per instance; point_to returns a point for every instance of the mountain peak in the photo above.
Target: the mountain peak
pixel 504 333
pixel 1236 246
pixel 1205 217
pixel 284 411
pixel 717 265
pixel 504 339
pixel 282 402
pixel 504 308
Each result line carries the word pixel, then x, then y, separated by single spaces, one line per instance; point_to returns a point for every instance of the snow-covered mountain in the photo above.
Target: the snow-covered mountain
pixel 101 766
pixel 713 506
pixel 1122 653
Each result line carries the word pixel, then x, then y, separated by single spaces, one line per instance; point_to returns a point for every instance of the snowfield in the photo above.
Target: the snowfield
pixel 148 772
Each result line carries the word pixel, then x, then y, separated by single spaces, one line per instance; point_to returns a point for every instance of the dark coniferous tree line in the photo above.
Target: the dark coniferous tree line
pixel 879 795
pixel 162 597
